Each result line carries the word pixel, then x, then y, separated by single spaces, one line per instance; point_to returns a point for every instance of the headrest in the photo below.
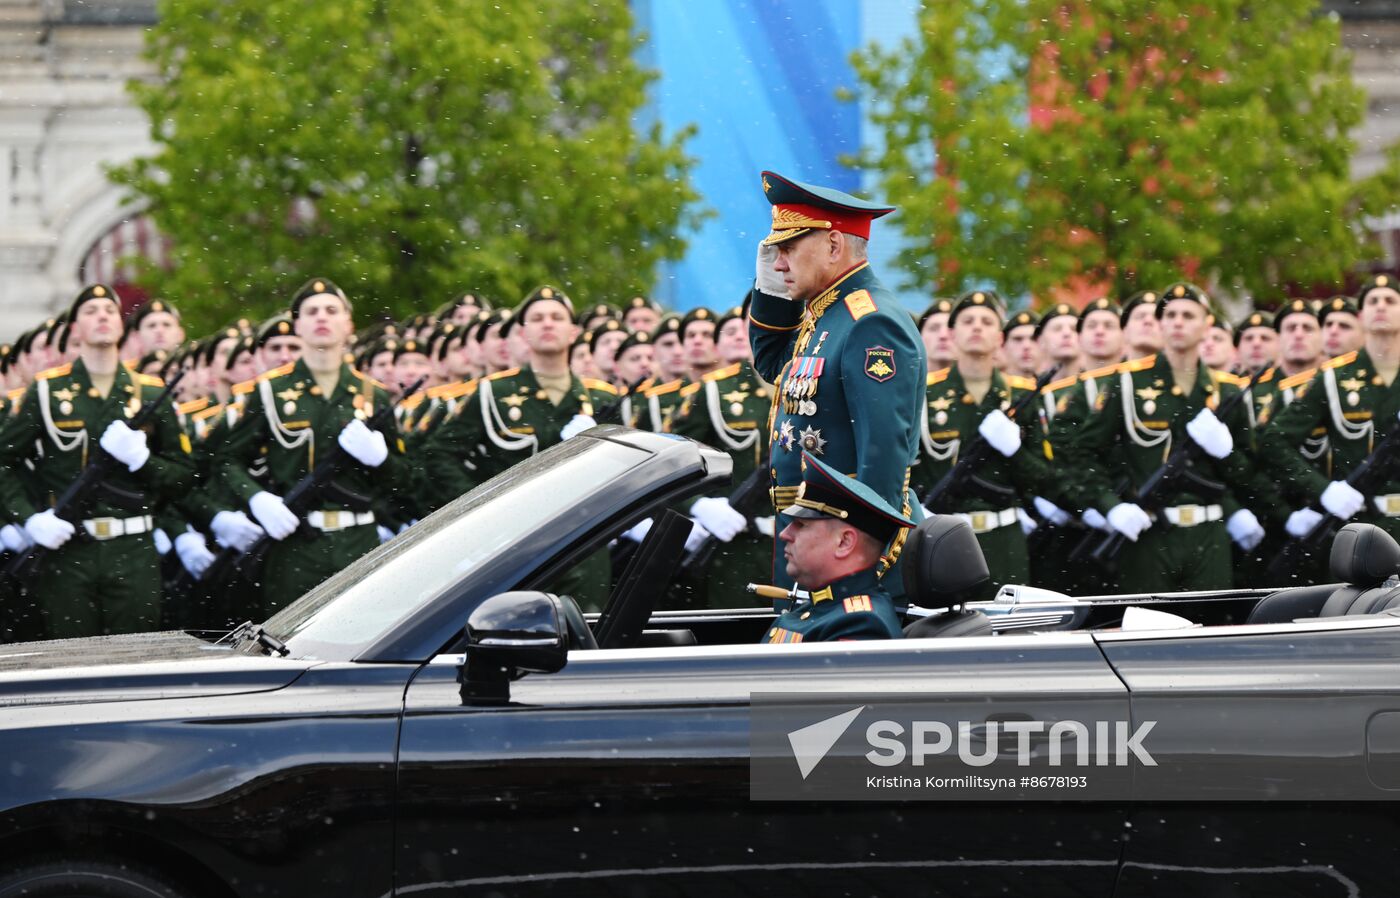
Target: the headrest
pixel 1364 555
pixel 942 560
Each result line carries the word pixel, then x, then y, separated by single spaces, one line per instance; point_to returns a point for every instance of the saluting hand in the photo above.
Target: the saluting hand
pixel 766 279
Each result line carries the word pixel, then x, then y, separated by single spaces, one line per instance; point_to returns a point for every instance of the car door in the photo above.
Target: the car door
pixel 627 772
pixel 1278 758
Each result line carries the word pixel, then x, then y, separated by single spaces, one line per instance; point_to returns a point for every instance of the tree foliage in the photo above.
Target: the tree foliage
pixel 1040 144
pixel 406 150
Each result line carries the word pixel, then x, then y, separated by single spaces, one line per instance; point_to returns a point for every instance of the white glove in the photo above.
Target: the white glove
pixel 638 531
pixel 385 534
pixel 366 445
pixel 1211 435
pixel 1092 517
pixel 194 553
pixel 765 278
pixel 48 529
pixel 1027 522
pixel 697 536
pixel 1052 512
pixel 766 526
pixel 162 541
pixel 125 445
pixel 577 425
pixel 1342 500
pixel 235 530
pixel 1001 432
pixel 1128 519
pixel 1245 530
pixel 716 516
pixel 1302 522
pixel 273 514
pixel 15 539
pixel 409 524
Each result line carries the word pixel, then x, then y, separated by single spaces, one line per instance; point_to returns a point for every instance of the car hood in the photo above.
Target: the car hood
pixel 134 667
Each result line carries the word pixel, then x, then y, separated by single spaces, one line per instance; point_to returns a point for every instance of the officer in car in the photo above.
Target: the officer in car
pixel 845 360
pixel 838 531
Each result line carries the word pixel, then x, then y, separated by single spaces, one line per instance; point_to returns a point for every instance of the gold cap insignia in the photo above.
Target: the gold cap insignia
pixel 1382 281
pixel 978 297
pixel 283 327
pixel 546 293
pixel 1179 292
pixel 99 290
pixel 318 286
pixel 1149 297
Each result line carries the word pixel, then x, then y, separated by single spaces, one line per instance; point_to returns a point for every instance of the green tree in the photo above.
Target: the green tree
pixel 406 150
pixel 1037 144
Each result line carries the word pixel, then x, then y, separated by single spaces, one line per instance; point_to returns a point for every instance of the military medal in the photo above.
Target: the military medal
pixel 785 437
pixel 514 413
pixel 812 440
pixel 289 407
pixel 736 408
pixel 1149 406
pixel 940 418
pixel 65 407
pixel 1353 398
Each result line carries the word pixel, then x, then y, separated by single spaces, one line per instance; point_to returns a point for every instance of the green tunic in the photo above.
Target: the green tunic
pixel 848 372
pixel 292 426
pixel 1003 484
pixel 92 585
pixel 1357 409
pixel 1139 416
pixel 854 607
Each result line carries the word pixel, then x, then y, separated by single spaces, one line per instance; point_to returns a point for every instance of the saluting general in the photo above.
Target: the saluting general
pixel 846 361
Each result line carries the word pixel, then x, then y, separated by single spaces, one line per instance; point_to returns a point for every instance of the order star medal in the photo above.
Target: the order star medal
pixel 786 436
pixel 1353 385
pixel 812 440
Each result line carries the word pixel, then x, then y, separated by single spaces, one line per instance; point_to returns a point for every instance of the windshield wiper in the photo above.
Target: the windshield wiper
pixel 249 630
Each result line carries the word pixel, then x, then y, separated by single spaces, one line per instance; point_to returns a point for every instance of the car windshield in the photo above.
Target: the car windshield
pixel 369 597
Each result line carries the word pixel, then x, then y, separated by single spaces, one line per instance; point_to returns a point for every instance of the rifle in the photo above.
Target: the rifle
pixel 23 567
pixel 614 408
pixel 230 561
pixel 1364 479
pixel 1177 465
pixel 964 472
pixel 743 496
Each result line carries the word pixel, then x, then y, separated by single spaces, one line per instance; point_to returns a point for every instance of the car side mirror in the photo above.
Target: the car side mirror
pixel 508 636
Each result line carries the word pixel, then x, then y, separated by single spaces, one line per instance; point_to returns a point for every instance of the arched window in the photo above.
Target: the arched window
pixel 115 258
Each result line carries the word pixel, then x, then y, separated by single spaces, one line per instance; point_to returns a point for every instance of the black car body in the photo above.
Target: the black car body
pixel 352 749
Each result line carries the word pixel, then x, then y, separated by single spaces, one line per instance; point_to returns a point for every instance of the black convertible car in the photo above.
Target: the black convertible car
pixel 436 720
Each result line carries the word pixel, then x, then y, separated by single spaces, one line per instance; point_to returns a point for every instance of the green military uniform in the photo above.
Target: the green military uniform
pixel 106 578
pixel 1066 404
pixel 847 366
pixel 289 421
pixel 952 417
pixel 1140 415
pixel 728 410
pixel 855 606
pixel 1358 409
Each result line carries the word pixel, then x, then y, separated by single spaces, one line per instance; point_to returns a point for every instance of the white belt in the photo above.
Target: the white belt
pixel 986 521
pixel 1388 505
pixel 111 528
pixel 1191 515
pixel 332 520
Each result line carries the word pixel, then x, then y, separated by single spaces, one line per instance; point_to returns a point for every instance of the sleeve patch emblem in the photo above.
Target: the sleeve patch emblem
pixel 879 363
pixel 860 304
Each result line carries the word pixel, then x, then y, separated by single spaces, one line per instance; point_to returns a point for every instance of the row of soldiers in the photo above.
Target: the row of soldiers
pixel 1114 389
pixel 259 404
